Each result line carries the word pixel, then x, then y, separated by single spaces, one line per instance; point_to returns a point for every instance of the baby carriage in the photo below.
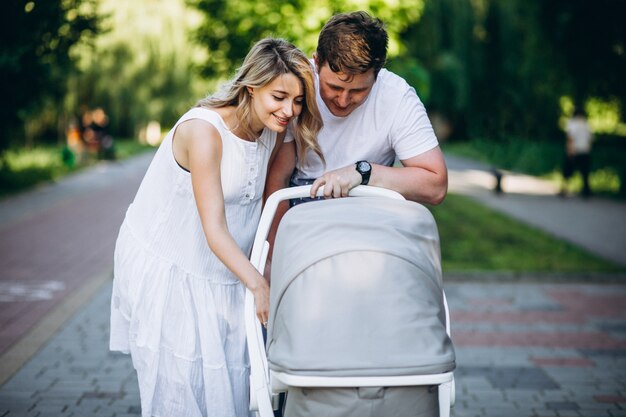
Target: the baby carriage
pixel 356 300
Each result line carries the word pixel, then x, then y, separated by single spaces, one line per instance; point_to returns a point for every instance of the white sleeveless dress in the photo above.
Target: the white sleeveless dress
pixel 175 307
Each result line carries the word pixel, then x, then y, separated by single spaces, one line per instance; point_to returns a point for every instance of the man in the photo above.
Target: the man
pixel 371 116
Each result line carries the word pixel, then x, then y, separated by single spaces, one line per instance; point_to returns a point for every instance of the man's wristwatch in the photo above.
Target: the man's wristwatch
pixel 365 169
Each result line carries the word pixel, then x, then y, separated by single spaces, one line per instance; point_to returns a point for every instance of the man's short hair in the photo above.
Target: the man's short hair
pixel 353 43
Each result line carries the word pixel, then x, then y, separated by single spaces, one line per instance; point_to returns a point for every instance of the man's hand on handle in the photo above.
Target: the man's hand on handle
pixel 337 183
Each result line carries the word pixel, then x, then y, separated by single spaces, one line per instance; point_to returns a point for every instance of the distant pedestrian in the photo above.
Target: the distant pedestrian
pixel 73 150
pixel 577 151
pixel 181 257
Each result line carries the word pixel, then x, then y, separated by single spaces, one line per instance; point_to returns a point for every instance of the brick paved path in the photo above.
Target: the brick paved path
pixel 539 350
pixel 55 240
pixel 523 350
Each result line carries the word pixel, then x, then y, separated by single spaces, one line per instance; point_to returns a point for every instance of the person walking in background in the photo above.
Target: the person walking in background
pixel 181 259
pixel 577 151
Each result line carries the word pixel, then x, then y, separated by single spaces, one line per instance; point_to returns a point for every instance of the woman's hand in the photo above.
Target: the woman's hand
pixel 261 292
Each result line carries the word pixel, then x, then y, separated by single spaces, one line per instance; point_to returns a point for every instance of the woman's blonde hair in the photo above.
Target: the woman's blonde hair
pixel 268 59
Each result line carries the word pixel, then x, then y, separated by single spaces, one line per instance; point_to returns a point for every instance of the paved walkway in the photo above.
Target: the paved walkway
pixel 56 250
pixel 523 349
pixel 596 224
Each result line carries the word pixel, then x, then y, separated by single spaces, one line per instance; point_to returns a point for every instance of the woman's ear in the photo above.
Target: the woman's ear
pixel 250 90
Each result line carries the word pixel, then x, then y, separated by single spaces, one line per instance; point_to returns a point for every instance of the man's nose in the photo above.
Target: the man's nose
pixel 343 99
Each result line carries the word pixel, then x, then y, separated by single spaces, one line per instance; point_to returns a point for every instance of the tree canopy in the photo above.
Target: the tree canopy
pixel 500 68
pixel 492 68
pixel 230 27
pixel 34 58
pixel 143 68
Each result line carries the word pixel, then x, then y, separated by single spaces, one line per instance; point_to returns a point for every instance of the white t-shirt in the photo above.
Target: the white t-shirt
pixel 392 122
pixel 578 129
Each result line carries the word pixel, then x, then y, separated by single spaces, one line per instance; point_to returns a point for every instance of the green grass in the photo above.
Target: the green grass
pixel 545 159
pixel 25 168
pixel 476 238
pixel 129 147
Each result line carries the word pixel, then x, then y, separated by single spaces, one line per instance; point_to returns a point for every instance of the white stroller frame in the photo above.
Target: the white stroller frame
pixel 265 384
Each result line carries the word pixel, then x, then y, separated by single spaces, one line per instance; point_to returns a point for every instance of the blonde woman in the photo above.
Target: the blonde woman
pixel 181 258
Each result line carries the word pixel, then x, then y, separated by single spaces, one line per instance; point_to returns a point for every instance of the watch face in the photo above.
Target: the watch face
pixel 364 166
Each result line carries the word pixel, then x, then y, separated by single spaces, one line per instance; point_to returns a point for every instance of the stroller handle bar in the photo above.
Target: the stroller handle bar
pixel 271 205
pixel 358 191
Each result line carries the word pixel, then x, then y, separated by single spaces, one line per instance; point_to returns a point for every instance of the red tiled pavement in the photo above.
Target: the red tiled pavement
pixel 588 304
pixel 610 398
pixel 575 340
pixel 517 317
pixel 565 362
pixel 53 250
pixel 568 306
pixel 552 317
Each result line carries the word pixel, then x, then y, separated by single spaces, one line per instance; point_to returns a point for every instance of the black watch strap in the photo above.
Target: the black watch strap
pixel 365 169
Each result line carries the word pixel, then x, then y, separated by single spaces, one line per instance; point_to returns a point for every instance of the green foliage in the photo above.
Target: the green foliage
pixel 231 27
pixel 491 68
pixel 125 148
pixel 591 40
pixel 500 67
pixel 414 73
pixel 25 168
pixel 142 69
pixel 531 157
pixel 475 238
pixel 545 158
pixel 34 58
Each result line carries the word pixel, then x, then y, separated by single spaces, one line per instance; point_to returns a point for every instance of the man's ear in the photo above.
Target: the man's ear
pixel 317 67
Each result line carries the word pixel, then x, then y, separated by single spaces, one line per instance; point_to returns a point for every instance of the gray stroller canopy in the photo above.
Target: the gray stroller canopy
pixel 356 290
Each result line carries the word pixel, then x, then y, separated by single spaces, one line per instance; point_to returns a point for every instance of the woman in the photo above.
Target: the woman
pixel 181 265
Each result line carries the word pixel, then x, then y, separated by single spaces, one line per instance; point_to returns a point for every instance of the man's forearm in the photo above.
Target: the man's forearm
pixel 414 183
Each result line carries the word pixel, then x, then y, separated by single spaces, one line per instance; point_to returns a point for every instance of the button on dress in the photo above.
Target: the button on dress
pixel 175 307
